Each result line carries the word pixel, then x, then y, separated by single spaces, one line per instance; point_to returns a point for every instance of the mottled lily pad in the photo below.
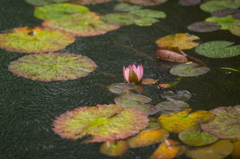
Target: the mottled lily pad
pixel 204 26
pixel 145 2
pixel 114 148
pixel 173 106
pixel 35 40
pixel 171 54
pixel 102 122
pixel 211 6
pixel 188 70
pixel 195 137
pixel 124 7
pixel 177 122
pixel 234 28
pixel 88 24
pixel 180 40
pixel 86 2
pixel 136 101
pixel 189 2
pixel 52 66
pixel 224 22
pixel 61 11
pixel 226 123
pixel 124 88
pixel 218 49
pixel 182 95
pixel 44 2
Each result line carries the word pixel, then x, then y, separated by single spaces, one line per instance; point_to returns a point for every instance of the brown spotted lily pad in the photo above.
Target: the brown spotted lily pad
pixel 86 2
pixel 52 66
pixel 171 54
pixel 102 122
pixel 88 24
pixel 114 148
pixel 35 40
pixel 145 2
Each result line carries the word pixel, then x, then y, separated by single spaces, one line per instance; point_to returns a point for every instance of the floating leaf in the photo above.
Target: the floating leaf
pixel 136 101
pixel 124 88
pixel 171 54
pixel 145 2
pixel 87 24
pixel 188 70
pixel 114 148
pixel 168 149
pixel 189 2
pixel 218 49
pixel 177 122
pixel 35 40
pixel 226 123
pixel 195 137
pixel 147 137
pixel 182 95
pixel 224 12
pixel 52 66
pixel 173 106
pixel 234 28
pixel 204 26
pixel 86 2
pixel 102 122
pixel 180 40
pixel 44 2
pixel 236 150
pixel 61 11
pixel 126 7
pixel 120 18
pixel 149 81
pixel 224 22
pixel 211 6
pixel 218 150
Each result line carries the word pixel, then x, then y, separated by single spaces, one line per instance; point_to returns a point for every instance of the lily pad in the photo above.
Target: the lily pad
pixel 136 101
pixel 86 2
pixel 236 150
pixel 180 40
pixel 61 11
pixel 147 137
pixel 177 122
pixel 149 81
pixel 224 22
pixel 124 7
pixel 188 70
pixel 102 122
pixel 114 148
pixel 145 2
pixel 189 2
pixel 124 88
pixel 211 6
pixel 224 12
pixel 44 2
pixel 218 150
pixel 204 26
pixel 120 18
pixel 171 54
pixel 226 123
pixel 88 24
pixel 234 28
pixel 172 106
pixel 195 137
pixel 218 49
pixel 52 66
pixel 181 95
pixel 35 40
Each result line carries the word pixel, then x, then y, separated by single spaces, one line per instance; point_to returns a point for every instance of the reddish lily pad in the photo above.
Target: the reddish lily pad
pixel 224 22
pixel 147 137
pixel 52 66
pixel 171 54
pixel 218 150
pixel 234 28
pixel 182 95
pixel 172 106
pixel 88 24
pixel 44 2
pixel 114 148
pixel 102 122
pixel 189 2
pixel 204 26
pixel 180 40
pixel 177 122
pixel 145 2
pixel 224 12
pixel 35 40
pixel 137 101
pixel 61 11
pixel 195 137
pixel 124 88
pixel 212 6
pixel 226 123
pixel 188 70
pixel 86 2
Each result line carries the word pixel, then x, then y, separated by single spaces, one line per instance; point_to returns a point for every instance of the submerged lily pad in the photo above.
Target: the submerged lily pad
pixel 204 26
pixel 114 148
pixel 145 2
pixel 218 49
pixel 226 123
pixel 44 2
pixel 52 66
pixel 124 88
pixel 211 6
pixel 224 22
pixel 188 70
pixel 86 2
pixel 102 122
pixel 195 137
pixel 35 40
pixel 61 11
pixel 88 24
pixel 172 106
pixel 180 40
pixel 182 95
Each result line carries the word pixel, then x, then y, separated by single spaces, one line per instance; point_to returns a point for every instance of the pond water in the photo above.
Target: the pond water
pixel 29 107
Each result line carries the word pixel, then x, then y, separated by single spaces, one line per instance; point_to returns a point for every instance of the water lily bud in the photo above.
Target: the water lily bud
pixel 133 74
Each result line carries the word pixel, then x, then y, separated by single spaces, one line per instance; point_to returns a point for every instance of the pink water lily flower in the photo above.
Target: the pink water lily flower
pixel 133 74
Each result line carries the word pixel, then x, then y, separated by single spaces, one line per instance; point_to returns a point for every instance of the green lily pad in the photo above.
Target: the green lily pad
pixel 136 101
pixel 35 40
pixel 61 11
pixel 226 123
pixel 224 22
pixel 181 95
pixel 124 88
pixel 211 6
pixel 86 2
pixel 218 49
pixel 52 66
pixel 172 106
pixel 124 7
pixel 44 2
pixel 88 24
pixel 145 2
pixel 234 28
pixel 195 137
pixel 102 122
pixel 188 70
